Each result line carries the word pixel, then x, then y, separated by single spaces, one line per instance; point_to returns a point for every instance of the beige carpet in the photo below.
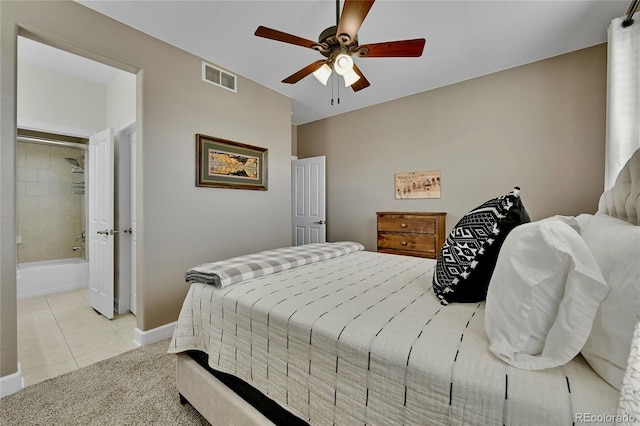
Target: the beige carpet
pixel 135 388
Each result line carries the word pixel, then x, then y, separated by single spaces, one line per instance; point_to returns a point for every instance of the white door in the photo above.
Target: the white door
pixel 101 217
pixel 132 219
pixel 125 283
pixel 308 200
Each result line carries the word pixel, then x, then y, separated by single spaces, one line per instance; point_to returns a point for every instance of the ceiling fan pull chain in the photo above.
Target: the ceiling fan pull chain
pixel 335 83
pixel 332 88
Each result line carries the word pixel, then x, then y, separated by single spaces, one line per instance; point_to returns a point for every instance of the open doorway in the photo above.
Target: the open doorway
pixel 63 100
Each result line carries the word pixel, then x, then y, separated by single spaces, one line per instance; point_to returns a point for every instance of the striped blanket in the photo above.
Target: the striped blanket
pixel 362 339
pixel 236 269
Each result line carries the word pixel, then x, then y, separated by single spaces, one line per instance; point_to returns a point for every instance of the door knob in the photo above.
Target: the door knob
pixel 128 231
pixel 105 232
pixel 320 222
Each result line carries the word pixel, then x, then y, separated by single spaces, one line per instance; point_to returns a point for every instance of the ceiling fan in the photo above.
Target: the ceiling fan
pixel 338 43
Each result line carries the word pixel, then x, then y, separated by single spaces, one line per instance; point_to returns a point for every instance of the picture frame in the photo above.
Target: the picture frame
pixel 414 185
pixel 221 163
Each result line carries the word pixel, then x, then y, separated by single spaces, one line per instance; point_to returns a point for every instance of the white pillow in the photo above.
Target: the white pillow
pixel 615 245
pixel 628 407
pixel 543 295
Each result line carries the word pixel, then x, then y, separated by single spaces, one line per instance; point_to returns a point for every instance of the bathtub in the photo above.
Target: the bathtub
pixel 51 276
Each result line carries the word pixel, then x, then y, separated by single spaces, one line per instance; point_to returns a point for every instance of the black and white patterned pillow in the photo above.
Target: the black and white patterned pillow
pixel 468 256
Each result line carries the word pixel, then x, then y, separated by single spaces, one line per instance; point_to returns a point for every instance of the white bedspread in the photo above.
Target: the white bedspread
pixel 362 339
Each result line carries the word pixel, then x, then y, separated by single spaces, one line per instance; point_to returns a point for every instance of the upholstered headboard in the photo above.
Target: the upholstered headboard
pixel 623 199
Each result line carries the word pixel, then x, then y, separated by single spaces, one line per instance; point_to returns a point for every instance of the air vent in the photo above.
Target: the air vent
pixel 220 78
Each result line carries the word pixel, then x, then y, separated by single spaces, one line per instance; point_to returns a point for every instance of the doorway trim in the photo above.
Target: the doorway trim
pixel 10 372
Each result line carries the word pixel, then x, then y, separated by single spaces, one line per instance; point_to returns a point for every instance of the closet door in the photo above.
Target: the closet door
pixel 308 201
pixel 100 185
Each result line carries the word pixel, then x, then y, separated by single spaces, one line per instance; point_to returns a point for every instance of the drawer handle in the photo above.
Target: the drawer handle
pixel 404 243
pixel 403 225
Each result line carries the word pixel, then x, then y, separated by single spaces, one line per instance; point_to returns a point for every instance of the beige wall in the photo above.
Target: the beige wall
pixel 121 101
pixel 179 224
pixel 54 102
pixel 59 103
pixel 539 126
pixel 294 140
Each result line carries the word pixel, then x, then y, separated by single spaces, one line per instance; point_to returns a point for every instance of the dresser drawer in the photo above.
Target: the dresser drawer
pixel 400 223
pixel 413 242
pixel 418 234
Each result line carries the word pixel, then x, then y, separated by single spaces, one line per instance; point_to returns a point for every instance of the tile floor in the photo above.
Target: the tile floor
pixel 59 333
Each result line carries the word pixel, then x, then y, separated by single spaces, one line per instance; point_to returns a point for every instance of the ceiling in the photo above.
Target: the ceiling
pixel 465 39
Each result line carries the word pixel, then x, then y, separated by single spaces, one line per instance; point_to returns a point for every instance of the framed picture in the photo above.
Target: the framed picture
pixel 225 164
pixel 417 185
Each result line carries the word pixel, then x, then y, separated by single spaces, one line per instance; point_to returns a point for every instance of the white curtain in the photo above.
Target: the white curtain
pixel 623 96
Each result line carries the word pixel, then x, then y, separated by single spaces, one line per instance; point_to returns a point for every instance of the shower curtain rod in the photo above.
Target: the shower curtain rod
pixel 632 9
pixel 51 142
pixel 35 136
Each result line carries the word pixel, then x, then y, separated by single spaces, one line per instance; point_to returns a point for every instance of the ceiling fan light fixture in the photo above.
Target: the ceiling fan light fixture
pixel 339 43
pixel 350 78
pixel 323 73
pixel 343 64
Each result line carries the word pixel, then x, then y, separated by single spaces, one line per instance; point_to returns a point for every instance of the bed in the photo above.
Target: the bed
pixel 333 334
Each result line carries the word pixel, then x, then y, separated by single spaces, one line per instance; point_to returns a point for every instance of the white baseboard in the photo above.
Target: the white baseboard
pixel 12 383
pixel 144 338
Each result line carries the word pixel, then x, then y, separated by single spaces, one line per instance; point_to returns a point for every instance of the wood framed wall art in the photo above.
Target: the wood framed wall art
pixel 225 164
pixel 417 185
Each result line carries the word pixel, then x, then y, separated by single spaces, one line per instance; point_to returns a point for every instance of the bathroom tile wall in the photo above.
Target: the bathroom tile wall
pixel 51 211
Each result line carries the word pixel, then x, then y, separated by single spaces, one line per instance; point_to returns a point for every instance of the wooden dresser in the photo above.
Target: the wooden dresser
pixel 420 234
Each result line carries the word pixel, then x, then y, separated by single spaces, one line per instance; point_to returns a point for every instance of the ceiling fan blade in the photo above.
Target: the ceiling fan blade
pixel 283 37
pixel 296 77
pixel 353 14
pixel 362 83
pixel 404 48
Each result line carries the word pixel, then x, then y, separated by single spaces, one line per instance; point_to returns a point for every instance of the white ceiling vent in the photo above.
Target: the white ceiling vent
pixel 220 78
